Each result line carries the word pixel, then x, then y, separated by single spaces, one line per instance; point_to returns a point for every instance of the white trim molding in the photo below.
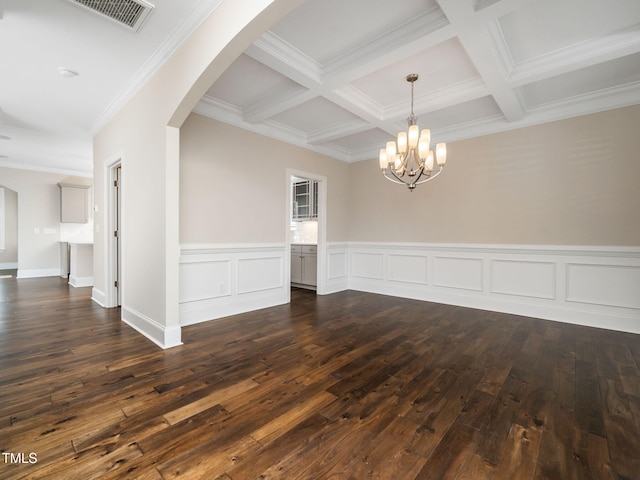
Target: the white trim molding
pixel 80 281
pixel 164 337
pixel 218 280
pixel 591 286
pixel 337 268
pixel 37 272
pixel 99 297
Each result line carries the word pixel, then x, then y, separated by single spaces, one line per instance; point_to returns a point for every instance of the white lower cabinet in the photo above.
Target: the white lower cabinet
pixel 304 265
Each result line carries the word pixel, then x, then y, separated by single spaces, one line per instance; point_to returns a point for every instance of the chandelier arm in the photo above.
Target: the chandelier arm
pixel 398 181
pixel 420 172
pixel 403 164
pixel 416 159
pixel 411 185
pixel 431 177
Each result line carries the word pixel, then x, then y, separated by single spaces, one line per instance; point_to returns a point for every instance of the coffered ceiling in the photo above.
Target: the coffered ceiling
pixel 330 77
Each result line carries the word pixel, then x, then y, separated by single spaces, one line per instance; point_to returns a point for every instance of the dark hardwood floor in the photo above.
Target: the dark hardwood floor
pixel 345 386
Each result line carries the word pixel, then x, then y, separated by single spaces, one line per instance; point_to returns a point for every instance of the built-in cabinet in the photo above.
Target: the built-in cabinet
pixel 305 200
pixel 74 203
pixel 304 266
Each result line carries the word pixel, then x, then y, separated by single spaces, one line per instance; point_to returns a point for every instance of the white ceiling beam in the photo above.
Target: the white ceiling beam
pixel 276 103
pixel 585 54
pixel 480 50
pixel 341 130
pixel 353 100
pixel 276 53
pixel 487 10
pixel 420 33
pixel 588 103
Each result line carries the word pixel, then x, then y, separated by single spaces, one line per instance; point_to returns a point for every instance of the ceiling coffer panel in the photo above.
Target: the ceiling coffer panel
pixel 130 13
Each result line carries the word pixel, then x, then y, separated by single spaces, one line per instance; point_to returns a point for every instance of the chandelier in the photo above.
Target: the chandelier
pixel 409 160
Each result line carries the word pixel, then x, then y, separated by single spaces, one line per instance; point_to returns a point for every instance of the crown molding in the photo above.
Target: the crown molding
pixel 197 16
pixel 40 168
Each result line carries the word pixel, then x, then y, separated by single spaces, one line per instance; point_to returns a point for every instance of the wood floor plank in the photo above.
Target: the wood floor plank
pixel 282 424
pixel 451 455
pixel 624 445
pixel 349 385
pixel 500 419
pixel 215 398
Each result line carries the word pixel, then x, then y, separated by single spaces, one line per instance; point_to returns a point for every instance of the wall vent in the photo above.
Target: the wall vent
pixel 130 13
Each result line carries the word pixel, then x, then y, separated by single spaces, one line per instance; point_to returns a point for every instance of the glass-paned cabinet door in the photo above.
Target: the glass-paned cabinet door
pixel 301 200
pixel 305 200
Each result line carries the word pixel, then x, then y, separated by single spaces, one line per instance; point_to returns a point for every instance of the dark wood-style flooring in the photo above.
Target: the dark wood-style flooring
pixel 345 386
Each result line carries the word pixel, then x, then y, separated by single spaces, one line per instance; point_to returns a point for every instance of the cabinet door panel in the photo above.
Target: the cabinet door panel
pixel 74 204
pixel 296 268
pixel 310 270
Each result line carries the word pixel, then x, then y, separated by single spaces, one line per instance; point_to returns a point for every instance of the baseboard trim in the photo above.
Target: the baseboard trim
pixel 80 281
pixel 192 313
pixel 38 272
pixel 99 297
pixel 159 334
pixel 575 316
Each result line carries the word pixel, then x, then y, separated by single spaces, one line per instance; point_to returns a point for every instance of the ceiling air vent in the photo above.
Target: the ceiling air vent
pixel 130 13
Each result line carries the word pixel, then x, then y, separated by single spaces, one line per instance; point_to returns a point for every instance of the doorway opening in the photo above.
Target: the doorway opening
pixel 8 232
pixel 306 230
pixel 114 235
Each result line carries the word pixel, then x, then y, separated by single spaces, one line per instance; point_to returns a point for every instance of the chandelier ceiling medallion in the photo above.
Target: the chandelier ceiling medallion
pixel 409 160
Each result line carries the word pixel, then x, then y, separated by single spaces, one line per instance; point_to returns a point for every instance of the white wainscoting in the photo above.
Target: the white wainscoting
pixel 594 286
pixel 221 280
pixel 337 271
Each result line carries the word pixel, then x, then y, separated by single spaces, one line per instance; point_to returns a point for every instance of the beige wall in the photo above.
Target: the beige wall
pixel 571 182
pixel 233 185
pixel 144 135
pixel 38 207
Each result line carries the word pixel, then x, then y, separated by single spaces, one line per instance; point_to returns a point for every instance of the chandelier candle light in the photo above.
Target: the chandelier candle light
pixel 409 160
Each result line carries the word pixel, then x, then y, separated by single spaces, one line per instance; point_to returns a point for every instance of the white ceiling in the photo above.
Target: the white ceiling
pixel 330 77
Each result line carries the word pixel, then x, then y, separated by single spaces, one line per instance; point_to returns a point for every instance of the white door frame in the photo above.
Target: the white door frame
pixel 322 227
pixel 114 245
